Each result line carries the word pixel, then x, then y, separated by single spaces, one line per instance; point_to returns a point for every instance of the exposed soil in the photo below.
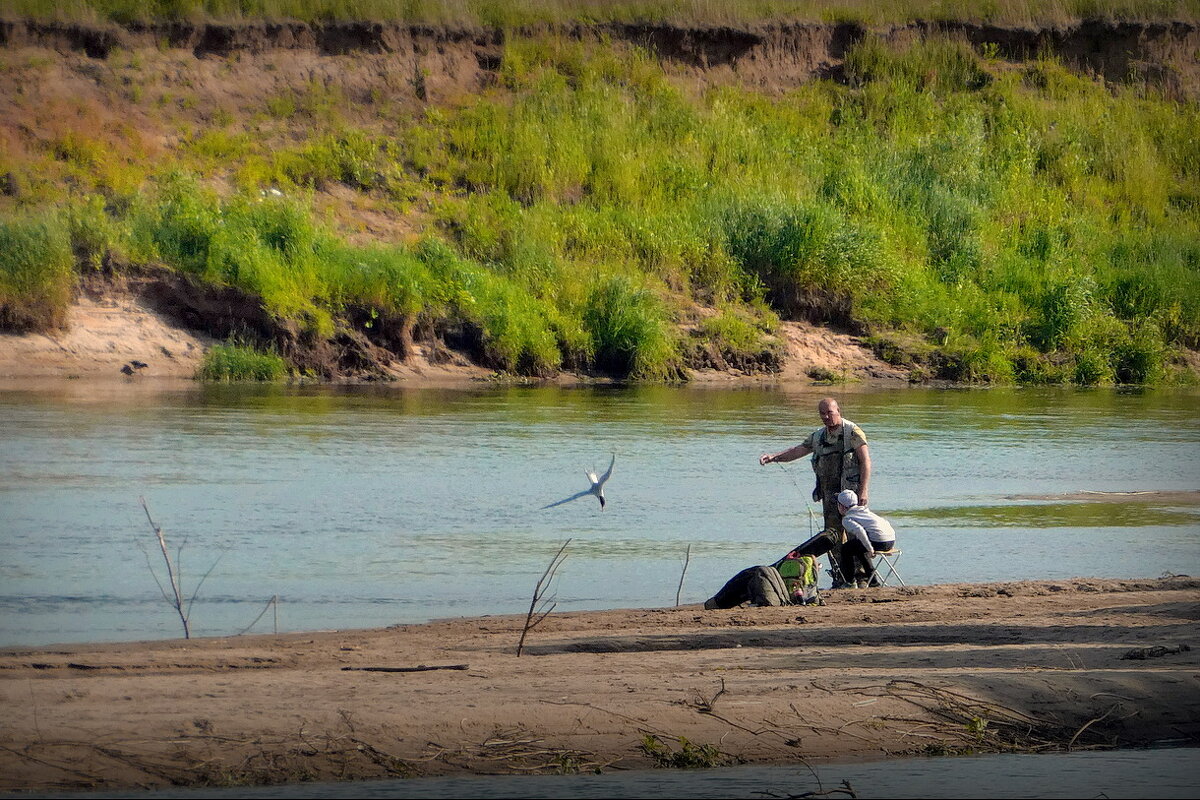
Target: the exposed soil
pixel 1028 666
pixel 438 61
pixel 167 323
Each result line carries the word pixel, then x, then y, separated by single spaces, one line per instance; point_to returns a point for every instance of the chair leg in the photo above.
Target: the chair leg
pixel 892 573
pixel 835 572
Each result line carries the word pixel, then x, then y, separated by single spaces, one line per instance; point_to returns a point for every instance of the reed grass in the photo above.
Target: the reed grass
pixel 240 362
pixel 36 273
pixel 1016 224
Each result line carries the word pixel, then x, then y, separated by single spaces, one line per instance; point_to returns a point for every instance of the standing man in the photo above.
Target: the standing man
pixel 841 461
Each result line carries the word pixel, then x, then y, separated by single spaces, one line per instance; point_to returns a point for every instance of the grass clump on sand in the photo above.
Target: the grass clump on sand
pixel 689 755
pixel 238 362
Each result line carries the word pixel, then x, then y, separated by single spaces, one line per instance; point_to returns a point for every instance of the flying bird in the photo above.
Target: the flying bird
pixel 597 487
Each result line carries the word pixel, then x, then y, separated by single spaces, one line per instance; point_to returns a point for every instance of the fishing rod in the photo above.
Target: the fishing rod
pixel 799 489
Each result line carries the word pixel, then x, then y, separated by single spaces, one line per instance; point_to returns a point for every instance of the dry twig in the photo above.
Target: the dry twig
pixel 706 706
pixel 538 590
pixel 174 575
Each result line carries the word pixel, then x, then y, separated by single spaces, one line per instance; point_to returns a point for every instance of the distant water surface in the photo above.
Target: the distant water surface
pixel 369 506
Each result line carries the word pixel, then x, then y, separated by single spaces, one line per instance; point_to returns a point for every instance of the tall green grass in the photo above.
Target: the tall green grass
pixel 984 223
pixel 36 273
pixel 241 362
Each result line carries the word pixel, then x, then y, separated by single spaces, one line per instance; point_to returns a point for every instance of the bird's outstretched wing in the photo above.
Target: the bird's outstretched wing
pixel 575 496
pixel 608 474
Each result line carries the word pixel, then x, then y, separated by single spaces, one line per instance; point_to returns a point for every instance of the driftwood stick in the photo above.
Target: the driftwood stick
pixel 1088 724
pixel 273 602
pixel 203 578
pixel 687 557
pixel 418 668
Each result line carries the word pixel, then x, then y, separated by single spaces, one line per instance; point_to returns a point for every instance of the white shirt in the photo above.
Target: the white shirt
pixel 868 527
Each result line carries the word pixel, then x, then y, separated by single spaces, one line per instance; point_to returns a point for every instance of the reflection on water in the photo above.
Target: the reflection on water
pixel 1164 773
pixel 366 506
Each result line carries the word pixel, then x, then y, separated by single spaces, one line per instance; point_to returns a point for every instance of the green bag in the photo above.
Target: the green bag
pixel 800 577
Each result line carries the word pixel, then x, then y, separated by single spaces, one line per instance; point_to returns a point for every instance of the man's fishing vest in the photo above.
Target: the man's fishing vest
pixel 834 460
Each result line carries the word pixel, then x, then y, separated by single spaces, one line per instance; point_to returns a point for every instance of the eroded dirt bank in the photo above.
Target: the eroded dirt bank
pixel 167 322
pixel 1083 663
pixel 440 59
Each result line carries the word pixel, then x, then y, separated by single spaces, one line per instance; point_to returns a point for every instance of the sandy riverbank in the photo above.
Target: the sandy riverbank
pixel 111 327
pixel 895 671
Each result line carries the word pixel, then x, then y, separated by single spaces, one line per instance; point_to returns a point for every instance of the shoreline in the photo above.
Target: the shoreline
pixel 1028 666
pixel 113 327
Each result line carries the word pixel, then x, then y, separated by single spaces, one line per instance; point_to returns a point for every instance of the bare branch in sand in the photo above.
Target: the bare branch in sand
pixel 273 603
pixel 687 557
pixel 537 605
pixel 174 575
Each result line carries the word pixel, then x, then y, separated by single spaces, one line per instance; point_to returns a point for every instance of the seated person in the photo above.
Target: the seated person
pixel 867 534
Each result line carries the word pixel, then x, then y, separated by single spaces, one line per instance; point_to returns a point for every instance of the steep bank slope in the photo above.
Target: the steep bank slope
pixel 441 62
pixel 110 327
pixel 328 112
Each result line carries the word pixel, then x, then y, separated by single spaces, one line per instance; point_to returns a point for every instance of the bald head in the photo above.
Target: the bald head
pixel 831 415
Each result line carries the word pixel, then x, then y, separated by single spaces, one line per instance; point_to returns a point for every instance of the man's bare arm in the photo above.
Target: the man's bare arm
pixel 784 456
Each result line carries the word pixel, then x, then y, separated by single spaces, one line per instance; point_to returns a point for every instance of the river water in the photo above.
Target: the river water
pixel 1156 773
pixel 376 505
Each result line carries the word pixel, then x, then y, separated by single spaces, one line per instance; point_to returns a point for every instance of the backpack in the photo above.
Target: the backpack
pixel 799 579
pixel 765 587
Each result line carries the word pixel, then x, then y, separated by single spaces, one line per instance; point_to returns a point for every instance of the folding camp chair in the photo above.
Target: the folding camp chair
pixel 888 557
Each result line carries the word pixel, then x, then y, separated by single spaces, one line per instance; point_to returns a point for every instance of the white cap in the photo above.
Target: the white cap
pixel 847 498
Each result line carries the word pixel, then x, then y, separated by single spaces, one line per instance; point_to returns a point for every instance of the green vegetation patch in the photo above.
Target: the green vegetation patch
pixel 977 221
pixel 237 362
pixel 688 754
pixel 36 273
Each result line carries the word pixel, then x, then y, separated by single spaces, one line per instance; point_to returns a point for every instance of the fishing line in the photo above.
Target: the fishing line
pixel 799 489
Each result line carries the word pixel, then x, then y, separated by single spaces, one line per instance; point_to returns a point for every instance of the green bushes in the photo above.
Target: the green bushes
pixel 348 157
pixel 384 278
pixel 96 235
pixel 812 260
pixel 630 331
pixel 938 65
pixel 266 246
pixel 516 330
